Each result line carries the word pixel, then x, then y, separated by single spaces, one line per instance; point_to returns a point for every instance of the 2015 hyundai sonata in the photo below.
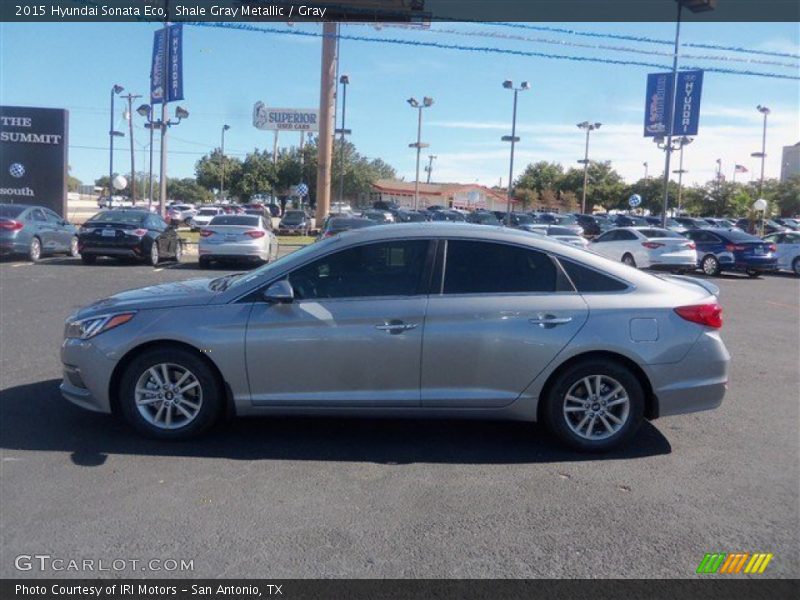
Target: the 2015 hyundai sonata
pixel 422 319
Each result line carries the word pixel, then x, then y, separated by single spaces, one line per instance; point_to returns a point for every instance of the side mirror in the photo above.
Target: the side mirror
pixel 280 292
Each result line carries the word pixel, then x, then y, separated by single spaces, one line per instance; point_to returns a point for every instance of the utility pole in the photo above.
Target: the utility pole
pixel 115 89
pixel 429 168
pixel 222 164
pixel 589 127
pixel 327 95
pixel 130 98
pixel 427 102
pixel 342 131
pixel 763 154
pixel 509 85
pixel 684 141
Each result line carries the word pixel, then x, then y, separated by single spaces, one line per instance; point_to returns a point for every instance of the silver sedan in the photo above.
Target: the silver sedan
pixel 422 320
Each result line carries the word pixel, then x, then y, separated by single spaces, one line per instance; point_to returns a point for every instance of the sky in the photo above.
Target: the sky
pixel 73 66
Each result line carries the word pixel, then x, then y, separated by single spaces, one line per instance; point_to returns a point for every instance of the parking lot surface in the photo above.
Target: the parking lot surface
pixel 370 498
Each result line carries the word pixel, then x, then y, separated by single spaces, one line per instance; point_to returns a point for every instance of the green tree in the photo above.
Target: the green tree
pixel 188 190
pixel 257 175
pixel 73 183
pixel 208 170
pixel 540 176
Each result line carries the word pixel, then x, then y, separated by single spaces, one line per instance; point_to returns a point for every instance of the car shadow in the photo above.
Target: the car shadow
pixel 36 418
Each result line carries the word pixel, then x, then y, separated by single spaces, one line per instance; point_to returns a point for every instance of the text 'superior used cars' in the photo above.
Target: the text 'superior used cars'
pixel 453 320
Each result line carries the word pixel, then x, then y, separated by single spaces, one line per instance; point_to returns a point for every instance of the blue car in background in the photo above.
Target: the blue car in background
pixel 732 250
pixel 34 231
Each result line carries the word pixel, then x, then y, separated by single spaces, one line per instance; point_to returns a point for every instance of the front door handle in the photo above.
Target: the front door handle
pixel 548 321
pixel 395 326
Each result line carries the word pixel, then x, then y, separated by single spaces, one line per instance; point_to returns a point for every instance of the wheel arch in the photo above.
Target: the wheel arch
pixel 651 401
pixel 130 355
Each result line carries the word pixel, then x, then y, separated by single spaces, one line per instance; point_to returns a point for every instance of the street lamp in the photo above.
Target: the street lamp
pixel 222 165
pixel 763 154
pixel 429 168
pixel 695 6
pixel 147 111
pixel 645 165
pixel 682 142
pixel 115 90
pixel 589 127
pixel 509 85
pixel 426 103
pixel 345 81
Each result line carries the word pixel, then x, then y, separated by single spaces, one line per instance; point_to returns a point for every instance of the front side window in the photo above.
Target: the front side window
pixel 489 268
pixel 386 269
pixel 607 237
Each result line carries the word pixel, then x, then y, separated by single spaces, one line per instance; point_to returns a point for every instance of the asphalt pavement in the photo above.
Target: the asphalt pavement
pixel 370 498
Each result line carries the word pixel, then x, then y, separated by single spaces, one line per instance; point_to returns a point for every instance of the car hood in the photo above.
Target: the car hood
pixel 194 292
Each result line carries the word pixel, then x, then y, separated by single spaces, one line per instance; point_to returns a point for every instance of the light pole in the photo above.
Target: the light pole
pixel 683 141
pixel 669 148
pixel 589 127
pixel 345 81
pixel 509 85
pixel 222 164
pixel 145 110
pixel 429 168
pixel 763 154
pixel 162 126
pixel 115 89
pixel 695 6
pixel 130 98
pixel 645 165
pixel 426 103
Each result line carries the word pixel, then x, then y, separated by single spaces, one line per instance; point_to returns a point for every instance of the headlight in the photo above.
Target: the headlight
pixel 92 326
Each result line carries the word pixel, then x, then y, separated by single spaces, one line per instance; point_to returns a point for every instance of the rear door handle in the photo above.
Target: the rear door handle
pixel 549 320
pixel 395 327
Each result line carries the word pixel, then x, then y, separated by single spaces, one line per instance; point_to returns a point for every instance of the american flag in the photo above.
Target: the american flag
pixel 740 169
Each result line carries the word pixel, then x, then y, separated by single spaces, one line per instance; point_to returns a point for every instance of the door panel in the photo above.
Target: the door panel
pixel 331 353
pixel 484 351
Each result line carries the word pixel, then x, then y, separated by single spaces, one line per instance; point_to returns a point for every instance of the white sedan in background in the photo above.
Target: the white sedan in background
pixel 204 217
pixel 788 245
pixel 237 237
pixel 557 232
pixel 647 247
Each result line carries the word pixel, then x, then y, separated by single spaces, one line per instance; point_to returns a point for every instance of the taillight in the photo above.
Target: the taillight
pixel 709 315
pixel 773 248
pixel 255 234
pixel 691 246
pixel 206 233
pixel 734 247
pixel 11 225
pixel 139 232
pixel 652 245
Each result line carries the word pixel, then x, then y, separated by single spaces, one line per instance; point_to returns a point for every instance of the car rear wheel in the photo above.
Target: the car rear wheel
pixel 154 255
pixel 710 265
pixel 73 248
pixel 629 260
pixel 796 266
pixel 204 262
pixel 35 250
pixel 88 259
pixel 752 273
pixel 170 394
pixel 594 406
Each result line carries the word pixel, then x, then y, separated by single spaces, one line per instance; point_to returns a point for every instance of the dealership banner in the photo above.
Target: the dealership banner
pixel 285 119
pixel 174 81
pixel 33 156
pixel 658 109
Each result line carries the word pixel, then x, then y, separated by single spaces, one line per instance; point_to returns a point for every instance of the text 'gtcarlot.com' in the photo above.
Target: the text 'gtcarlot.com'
pixel 46 562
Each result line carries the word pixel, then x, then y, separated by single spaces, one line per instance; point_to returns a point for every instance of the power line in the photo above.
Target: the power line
pixel 485 49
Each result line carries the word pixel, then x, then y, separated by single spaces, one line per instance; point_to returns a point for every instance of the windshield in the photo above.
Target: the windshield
pixel 9 211
pixel 293 217
pixel 118 216
pixel 567 219
pixel 524 219
pixel 235 220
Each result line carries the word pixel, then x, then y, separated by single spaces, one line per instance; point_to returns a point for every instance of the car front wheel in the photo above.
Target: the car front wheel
pixel 594 406
pixel 796 266
pixel 170 394
pixel 74 251
pixel 710 265
pixel 35 250
pixel 155 257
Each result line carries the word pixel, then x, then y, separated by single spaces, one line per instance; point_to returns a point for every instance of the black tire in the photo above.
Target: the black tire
pixel 555 398
pixel 752 274
pixel 204 262
pixel 628 259
pixel 710 265
pixel 212 393
pixel 796 266
pixel 88 259
pixel 35 250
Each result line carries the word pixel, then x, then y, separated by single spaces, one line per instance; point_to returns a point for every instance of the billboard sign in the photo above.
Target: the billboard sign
pixel 174 65
pixel 657 113
pixel 285 119
pixel 33 156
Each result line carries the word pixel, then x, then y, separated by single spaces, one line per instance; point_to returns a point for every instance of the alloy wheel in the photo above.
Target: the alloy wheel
pixel 168 396
pixel 154 258
pixel 596 407
pixel 73 248
pixel 710 266
pixel 36 250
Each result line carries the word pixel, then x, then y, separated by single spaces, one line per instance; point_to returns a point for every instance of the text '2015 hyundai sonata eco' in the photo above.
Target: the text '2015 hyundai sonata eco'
pixel 422 320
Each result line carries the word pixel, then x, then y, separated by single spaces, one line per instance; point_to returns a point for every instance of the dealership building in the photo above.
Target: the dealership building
pixel 450 195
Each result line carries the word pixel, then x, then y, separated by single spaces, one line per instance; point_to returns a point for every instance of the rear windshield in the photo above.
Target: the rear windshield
pixel 236 220
pixel 659 233
pixel 208 211
pixel 293 215
pixel 9 211
pixel 740 236
pixel 118 216
pixel 560 231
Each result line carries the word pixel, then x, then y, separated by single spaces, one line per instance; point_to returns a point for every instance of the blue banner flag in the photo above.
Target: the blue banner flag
pixel 658 109
pixel 174 65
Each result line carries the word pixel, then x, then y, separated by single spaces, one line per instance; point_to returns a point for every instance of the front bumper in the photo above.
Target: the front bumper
pixel 696 383
pixel 87 375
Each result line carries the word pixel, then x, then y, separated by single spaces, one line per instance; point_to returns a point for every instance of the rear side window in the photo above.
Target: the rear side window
pixel 489 268
pixel 588 280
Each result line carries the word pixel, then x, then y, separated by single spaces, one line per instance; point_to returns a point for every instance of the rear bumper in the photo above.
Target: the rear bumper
pixel 696 383
pixel 94 248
